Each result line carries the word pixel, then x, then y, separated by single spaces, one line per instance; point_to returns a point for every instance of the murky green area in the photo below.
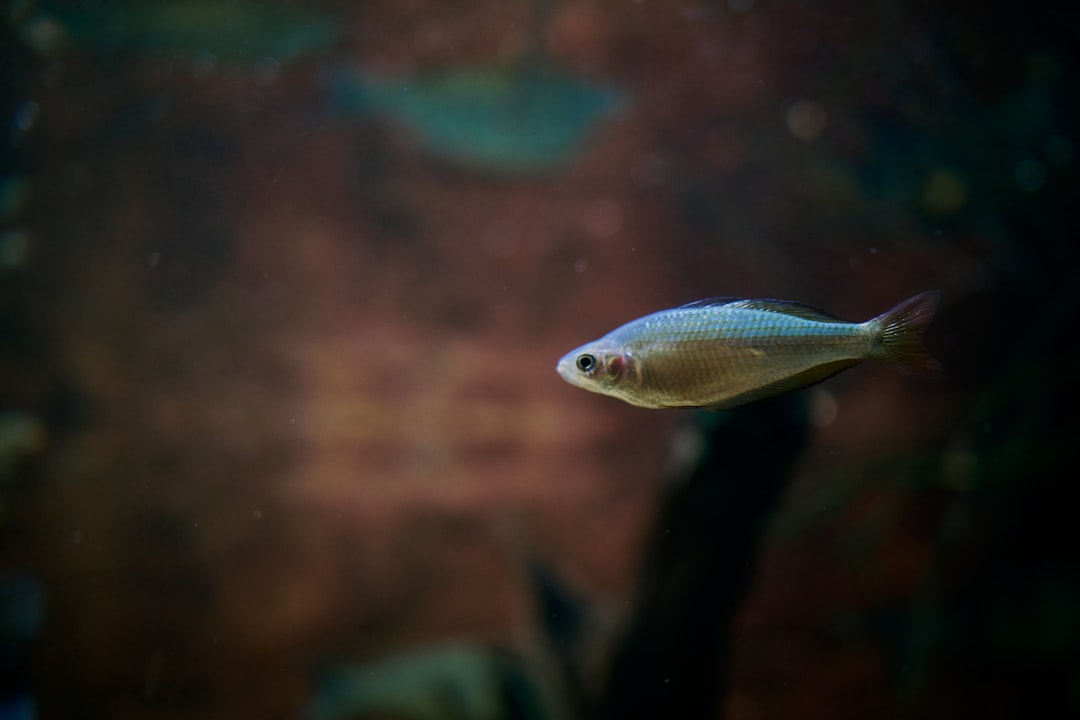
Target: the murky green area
pixel 283 285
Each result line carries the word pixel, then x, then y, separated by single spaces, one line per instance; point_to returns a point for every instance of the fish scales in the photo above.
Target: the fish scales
pixel 729 352
pixel 682 356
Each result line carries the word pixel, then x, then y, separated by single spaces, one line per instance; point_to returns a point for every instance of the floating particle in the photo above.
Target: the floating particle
pixel 806 120
pixel 1030 175
pixel 944 192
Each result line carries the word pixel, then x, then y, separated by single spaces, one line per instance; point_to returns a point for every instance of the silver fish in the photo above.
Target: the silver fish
pixel 725 352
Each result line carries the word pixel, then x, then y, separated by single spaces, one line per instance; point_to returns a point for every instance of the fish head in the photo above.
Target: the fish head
pixel 601 366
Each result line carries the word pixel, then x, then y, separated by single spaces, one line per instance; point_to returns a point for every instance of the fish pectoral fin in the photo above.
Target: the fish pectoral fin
pixel 810 376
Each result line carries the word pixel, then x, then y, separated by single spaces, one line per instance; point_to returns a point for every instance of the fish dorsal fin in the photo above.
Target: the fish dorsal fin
pixel 783 307
pixel 711 302
pixel 788 307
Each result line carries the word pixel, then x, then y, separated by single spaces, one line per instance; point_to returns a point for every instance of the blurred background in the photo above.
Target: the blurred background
pixel 282 288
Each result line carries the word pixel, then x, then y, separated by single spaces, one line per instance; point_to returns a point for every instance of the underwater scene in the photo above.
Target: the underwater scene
pixel 539 359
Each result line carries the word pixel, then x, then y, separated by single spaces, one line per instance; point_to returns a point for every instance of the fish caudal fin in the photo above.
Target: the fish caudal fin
pixel 898 340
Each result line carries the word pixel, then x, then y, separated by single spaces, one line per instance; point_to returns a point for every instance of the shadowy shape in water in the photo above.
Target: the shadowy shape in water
pixel 507 119
pixel 700 562
pixel 451 682
pixel 238 32
pixel 22 611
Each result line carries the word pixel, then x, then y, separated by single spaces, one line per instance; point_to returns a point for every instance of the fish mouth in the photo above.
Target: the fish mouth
pixel 565 368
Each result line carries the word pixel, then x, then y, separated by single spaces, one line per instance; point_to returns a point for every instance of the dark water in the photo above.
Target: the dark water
pixel 283 285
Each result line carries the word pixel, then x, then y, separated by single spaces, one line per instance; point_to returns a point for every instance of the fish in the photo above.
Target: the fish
pixel 721 353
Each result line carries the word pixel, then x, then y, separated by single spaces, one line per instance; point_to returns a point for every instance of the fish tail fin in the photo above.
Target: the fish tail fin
pixel 898 336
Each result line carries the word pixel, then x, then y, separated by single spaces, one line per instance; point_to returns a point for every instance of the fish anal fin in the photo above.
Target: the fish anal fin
pixel 806 378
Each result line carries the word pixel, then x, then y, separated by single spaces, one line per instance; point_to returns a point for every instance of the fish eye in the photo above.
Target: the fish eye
pixel 586 362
